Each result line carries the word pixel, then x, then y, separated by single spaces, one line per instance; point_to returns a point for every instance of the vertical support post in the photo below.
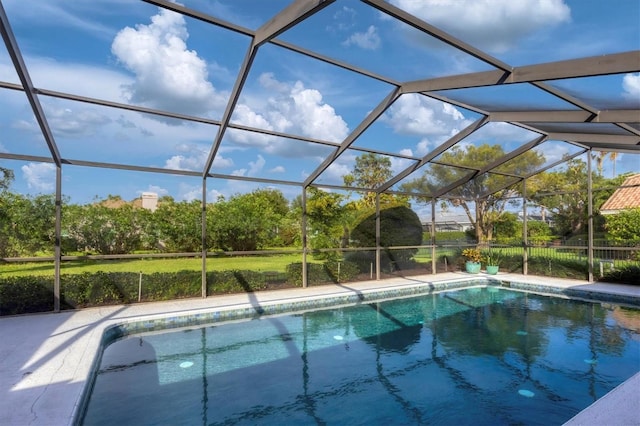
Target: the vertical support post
pixel 204 237
pixel 305 282
pixel 525 239
pixel 434 263
pixel 57 249
pixel 590 217
pixel 378 236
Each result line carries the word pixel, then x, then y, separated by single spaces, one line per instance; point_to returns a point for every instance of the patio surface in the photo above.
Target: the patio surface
pixel 47 358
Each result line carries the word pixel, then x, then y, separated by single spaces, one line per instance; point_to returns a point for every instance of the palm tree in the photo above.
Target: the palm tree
pixel 600 160
pixel 613 156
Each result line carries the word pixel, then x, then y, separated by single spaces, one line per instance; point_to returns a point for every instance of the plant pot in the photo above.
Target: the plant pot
pixel 472 267
pixel 492 269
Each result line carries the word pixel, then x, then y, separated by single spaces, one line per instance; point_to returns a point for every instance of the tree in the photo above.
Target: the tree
pixel 105 229
pixel 5 222
pixel 6 179
pixel 246 222
pixel 624 226
pixel 371 171
pixel 600 157
pixel 176 226
pixel 20 236
pixel 564 193
pixel 328 220
pixel 507 227
pixel 476 197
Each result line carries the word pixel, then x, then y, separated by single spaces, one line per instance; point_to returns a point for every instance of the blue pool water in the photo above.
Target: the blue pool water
pixel 477 356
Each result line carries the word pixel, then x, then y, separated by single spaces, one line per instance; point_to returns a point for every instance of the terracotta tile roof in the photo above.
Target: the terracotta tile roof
pixel 624 198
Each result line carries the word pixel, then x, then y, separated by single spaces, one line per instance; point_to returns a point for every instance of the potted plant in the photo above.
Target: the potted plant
pixel 493 259
pixel 474 257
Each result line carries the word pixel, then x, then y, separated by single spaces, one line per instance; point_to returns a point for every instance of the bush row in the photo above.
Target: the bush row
pixel 29 294
pixel 536 265
pixel 629 274
pixel 328 272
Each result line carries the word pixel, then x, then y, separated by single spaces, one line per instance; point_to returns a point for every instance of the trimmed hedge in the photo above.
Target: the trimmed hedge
pixel 22 295
pixel 537 265
pixel 629 274
pixel 322 273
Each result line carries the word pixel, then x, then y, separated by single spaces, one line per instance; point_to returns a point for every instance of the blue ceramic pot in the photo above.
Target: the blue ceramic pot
pixel 472 267
pixel 492 269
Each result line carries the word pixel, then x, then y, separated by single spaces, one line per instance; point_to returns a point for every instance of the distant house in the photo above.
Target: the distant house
pixel 448 222
pixel 623 198
pixel 148 200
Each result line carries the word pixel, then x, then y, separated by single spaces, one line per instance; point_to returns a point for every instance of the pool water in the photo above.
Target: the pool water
pixel 475 356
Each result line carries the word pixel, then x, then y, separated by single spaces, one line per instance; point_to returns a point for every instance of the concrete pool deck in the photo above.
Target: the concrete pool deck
pixel 46 359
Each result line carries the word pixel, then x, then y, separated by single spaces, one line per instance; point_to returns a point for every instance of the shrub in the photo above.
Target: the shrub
pixel 472 255
pixel 316 273
pixel 399 226
pixel 561 268
pixel 19 295
pixel 171 285
pixel 95 289
pixel 29 294
pixel 628 274
pixel 220 282
pixel 538 232
pixel 322 273
pixel 348 270
pixel 624 226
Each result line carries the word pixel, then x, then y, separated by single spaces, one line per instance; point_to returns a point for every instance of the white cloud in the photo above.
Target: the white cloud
pixel 168 74
pixel 66 122
pixel 254 169
pixel 268 81
pixel 369 40
pixel 277 169
pixel 419 115
pixel 631 86
pixel 555 151
pixel 190 193
pixel 57 14
pixel 343 20
pixel 81 79
pixel 74 123
pixel 399 164
pixel 316 118
pixel 333 175
pixel 496 25
pixel 290 108
pixel 40 176
pixel 195 158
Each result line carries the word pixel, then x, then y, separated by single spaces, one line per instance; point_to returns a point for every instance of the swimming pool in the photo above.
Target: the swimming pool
pixel 473 356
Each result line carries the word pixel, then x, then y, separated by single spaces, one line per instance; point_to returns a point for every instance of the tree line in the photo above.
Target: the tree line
pixel 264 218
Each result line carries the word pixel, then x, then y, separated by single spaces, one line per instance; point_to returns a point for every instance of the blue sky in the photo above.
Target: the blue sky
pixel 134 53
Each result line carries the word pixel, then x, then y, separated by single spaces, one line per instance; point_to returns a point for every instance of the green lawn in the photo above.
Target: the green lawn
pixel 276 263
pixel 271 263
